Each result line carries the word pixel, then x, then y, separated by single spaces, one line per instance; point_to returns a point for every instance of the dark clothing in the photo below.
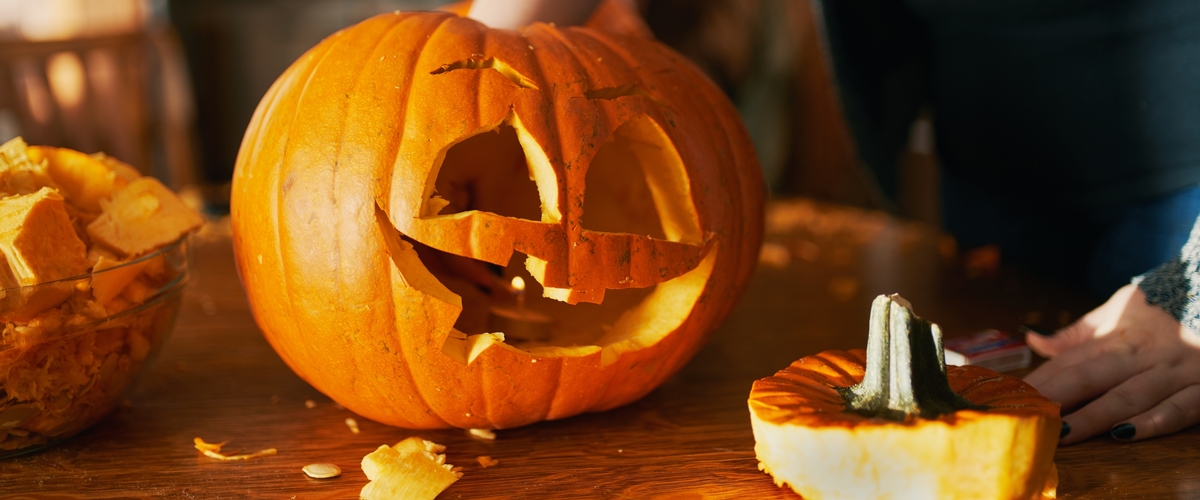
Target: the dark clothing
pixel 1077 103
pixel 1101 249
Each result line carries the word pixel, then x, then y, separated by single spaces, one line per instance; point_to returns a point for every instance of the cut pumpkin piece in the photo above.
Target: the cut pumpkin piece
pixel 38 244
pixel 20 174
pixel 110 277
pixel 122 170
pixel 413 469
pixel 83 179
pixel 142 216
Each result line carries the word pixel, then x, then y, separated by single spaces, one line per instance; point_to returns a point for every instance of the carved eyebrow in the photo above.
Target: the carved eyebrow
pixel 615 92
pixel 476 61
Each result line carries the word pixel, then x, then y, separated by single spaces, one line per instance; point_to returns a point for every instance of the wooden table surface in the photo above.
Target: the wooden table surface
pixel 218 379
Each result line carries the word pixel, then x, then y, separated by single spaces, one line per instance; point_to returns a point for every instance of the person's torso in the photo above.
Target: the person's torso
pixel 1094 100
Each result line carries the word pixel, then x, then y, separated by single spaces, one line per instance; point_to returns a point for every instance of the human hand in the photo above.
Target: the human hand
pixel 514 14
pixel 1134 369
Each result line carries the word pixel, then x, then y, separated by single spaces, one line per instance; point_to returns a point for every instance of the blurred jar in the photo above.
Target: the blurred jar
pixel 98 75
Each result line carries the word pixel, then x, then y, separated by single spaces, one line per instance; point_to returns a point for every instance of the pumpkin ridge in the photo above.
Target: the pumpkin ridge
pixel 397 23
pixel 572 169
pixel 339 46
pixel 603 38
pixel 554 395
pixel 629 66
pixel 337 155
pixel 385 225
pixel 280 93
pixel 480 38
pixel 276 191
pixel 388 173
pixel 744 184
pixel 835 366
pixel 583 53
pixel 721 146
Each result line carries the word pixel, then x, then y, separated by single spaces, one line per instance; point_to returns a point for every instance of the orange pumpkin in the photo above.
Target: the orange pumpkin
pixel 400 173
pixel 894 422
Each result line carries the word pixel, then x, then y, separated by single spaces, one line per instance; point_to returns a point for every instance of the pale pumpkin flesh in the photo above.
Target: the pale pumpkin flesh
pixel 413 469
pixel 37 244
pixel 348 203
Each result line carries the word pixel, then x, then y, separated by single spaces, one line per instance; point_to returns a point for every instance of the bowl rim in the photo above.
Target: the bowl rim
pixel 160 251
pixel 162 294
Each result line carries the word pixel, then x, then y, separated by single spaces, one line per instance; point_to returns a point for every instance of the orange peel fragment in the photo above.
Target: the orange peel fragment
pixel 213 450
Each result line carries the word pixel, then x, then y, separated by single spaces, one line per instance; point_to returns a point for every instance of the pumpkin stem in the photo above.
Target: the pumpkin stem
pixel 906 367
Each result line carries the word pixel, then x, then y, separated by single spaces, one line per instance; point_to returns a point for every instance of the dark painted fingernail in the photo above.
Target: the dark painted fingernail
pixel 1037 330
pixel 1123 432
pixel 1065 430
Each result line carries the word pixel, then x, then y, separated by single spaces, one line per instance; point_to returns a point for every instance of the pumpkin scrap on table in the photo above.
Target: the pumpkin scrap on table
pixel 894 422
pixel 400 175
pixel 213 450
pixel 485 434
pixel 322 471
pixel 414 469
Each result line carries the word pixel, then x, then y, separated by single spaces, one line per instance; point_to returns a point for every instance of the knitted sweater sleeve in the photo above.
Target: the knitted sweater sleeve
pixel 1175 285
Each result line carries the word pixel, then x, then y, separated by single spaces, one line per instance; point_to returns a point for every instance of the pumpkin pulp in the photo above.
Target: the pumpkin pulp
pixel 905 375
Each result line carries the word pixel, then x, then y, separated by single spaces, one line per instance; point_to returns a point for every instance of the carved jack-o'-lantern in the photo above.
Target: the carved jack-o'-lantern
pixel 397 177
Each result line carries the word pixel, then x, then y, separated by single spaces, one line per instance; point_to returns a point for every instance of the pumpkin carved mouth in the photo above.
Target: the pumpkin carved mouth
pixel 646 258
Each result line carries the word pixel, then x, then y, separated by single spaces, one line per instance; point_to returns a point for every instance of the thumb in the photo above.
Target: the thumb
pixel 1049 346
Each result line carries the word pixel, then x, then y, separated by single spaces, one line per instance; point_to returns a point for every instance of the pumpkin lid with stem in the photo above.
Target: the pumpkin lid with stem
pixel 895 422
pixel 902 376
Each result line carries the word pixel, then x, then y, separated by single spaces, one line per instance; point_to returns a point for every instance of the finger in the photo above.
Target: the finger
pixel 1044 375
pixel 1096 321
pixel 1049 346
pixel 1096 354
pixel 1078 382
pixel 1136 395
pixel 1179 411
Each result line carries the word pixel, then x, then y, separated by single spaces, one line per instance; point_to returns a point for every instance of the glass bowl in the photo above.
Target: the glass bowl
pixel 66 366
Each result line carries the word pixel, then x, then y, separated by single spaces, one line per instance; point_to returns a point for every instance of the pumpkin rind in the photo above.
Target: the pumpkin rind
pixel 334 167
pixel 806 437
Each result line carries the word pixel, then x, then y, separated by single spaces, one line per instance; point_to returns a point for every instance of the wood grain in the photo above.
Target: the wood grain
pixel 690 439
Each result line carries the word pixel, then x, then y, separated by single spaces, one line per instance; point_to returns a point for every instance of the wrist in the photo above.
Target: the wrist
pixel 506 14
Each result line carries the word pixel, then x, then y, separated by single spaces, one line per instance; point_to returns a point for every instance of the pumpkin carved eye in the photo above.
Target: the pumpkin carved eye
pixel 488 172
pixel 637 184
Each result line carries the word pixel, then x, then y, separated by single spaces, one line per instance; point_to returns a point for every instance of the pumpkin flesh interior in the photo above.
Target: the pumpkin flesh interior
pixel 637 185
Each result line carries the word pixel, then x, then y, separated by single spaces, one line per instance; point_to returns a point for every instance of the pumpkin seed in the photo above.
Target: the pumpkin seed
pixel 322 471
